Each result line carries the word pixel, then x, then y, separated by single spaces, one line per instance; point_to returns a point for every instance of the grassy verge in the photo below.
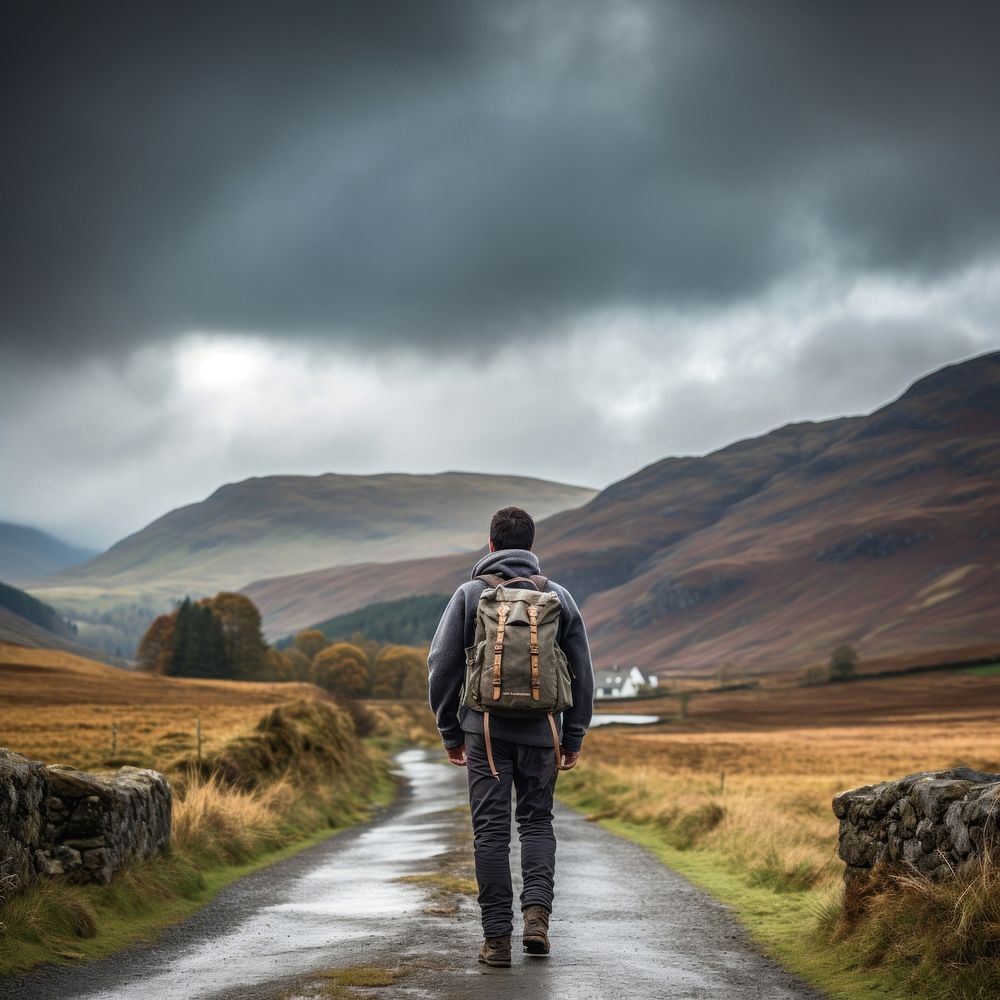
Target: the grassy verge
pixel 786 924
pixel 764 844
pixel 299 776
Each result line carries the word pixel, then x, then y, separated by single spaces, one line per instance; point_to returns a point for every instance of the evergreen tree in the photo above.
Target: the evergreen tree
pixel 199 643
pixel 184 662
pixel 843 663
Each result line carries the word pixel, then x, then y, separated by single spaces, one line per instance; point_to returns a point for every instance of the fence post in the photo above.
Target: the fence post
pixel 114 737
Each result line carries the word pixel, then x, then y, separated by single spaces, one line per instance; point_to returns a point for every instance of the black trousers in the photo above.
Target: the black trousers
pixel 531 773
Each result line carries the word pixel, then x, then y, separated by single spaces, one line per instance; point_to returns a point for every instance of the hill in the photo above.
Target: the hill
pixel 30 609
pixel 34 625
pixel 881 530
pixel 282 524
pixel 27 553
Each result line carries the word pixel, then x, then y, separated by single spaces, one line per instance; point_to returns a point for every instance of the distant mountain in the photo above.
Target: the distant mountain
pixel 27 553
pixel 882 531
pixel 280 524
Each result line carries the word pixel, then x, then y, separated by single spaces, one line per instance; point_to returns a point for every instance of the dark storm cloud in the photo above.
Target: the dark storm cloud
pixel 422 172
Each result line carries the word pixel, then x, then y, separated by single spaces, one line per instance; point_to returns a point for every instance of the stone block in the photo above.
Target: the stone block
pixel 46 865
pixel 937 823
pixel 87 817
pixel 68 857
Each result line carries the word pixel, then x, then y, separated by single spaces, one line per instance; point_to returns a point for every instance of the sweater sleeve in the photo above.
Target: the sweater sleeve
pixel 576 646
pixel 446 670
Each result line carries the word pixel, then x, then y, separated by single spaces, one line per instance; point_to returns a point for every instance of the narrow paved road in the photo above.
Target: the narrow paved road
pixel 625 926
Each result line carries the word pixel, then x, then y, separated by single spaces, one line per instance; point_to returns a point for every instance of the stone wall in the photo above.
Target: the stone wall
pixel 57 821
pixel 935 822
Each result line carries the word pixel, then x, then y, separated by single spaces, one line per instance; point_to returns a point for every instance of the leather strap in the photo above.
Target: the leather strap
pixel 489 745
pixel 555 743
pixel 492 579
pixel 533 649
pixel 498 648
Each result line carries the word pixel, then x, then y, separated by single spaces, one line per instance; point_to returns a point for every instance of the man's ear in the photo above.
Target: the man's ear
pixel 493 548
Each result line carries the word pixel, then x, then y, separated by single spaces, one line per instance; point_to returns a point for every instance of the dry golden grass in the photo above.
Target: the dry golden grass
pixel 760 793
pixel 216 821
pixel 59 708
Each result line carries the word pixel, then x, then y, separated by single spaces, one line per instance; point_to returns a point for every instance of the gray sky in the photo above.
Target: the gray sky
pixel 241 239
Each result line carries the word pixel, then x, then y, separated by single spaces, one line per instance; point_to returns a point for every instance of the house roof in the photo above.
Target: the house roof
pixel 613 678
pixel 609 678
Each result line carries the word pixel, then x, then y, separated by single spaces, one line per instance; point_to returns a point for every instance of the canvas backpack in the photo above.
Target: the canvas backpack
pixel 515 668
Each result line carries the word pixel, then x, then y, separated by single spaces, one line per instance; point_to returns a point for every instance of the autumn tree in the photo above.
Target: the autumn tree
pixel 310 642
pixel 369 647
pixel 399 672
pixel 156 648
pixel 241 629
pixel 342 669
pixel 299 663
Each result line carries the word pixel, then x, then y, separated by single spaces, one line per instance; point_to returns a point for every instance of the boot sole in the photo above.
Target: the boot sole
pixel 535 946
pixel 494 964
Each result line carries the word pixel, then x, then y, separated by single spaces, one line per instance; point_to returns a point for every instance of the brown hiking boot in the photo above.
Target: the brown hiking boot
pixel 496 952
pixel 536 930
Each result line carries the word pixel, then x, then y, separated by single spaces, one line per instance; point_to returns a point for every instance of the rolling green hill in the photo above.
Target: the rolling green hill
pixel 284 524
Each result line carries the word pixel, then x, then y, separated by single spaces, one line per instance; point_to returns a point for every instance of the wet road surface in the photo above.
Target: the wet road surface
pixel 623 926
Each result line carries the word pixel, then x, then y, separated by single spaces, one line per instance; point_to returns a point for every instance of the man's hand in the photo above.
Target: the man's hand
pixel 568 759
pixel 456 755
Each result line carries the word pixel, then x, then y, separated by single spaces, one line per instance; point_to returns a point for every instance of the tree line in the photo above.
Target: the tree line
pixel 221 637
pixel 359 668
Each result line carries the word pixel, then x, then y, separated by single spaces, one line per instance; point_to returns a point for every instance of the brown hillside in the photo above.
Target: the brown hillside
pixel 882 531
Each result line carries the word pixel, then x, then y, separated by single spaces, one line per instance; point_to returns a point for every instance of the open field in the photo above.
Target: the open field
pixel 960 695
pixel 59 708
pixel 737 796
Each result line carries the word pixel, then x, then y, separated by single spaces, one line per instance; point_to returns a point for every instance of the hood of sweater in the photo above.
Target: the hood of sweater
pixel 508 563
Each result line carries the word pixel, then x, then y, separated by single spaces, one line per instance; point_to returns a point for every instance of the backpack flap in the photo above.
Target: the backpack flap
pixel 516 667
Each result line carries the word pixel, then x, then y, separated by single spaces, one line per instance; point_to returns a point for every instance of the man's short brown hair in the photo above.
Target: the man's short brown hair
pixel 512 528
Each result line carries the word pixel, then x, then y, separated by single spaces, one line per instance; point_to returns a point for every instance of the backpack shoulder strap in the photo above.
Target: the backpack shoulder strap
pixel 538 582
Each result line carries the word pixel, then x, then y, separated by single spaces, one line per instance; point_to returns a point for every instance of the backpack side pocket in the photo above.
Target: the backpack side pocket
pixel 471 695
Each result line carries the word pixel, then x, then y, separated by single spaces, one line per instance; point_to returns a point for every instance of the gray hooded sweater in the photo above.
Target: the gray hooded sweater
pixel 456 631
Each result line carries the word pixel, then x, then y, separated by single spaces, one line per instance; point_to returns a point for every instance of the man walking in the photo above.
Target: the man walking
pixel 514 753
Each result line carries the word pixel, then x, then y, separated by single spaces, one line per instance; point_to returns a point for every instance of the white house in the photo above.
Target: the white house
pixel 619 682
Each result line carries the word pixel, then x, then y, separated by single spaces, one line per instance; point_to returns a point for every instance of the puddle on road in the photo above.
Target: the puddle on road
pixel 343 900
